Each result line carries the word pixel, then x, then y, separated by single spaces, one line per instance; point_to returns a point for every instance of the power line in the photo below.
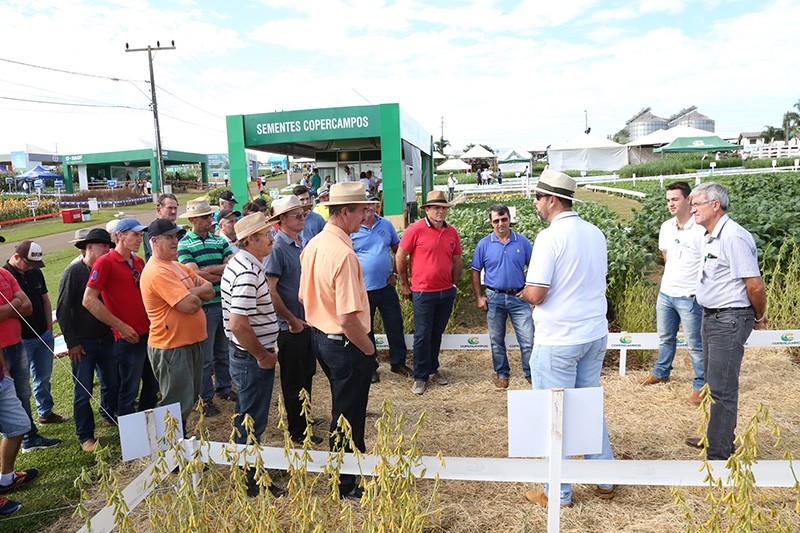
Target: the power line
pixel 72 104
pixel 188 103
pixel 65 71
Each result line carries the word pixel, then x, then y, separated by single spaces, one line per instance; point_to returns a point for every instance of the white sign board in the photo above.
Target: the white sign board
pixel 93 204
pixel 32 204
pixel 529 422
pixel 133 431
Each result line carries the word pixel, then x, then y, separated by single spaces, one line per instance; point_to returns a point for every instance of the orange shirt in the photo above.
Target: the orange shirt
pixel 164 284
pixel 331 282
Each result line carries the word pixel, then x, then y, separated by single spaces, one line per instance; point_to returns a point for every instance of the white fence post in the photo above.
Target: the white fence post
pixel 554 461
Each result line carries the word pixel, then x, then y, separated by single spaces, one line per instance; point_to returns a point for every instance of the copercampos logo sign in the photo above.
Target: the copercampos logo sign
pixel 473 340
pixel 625 339
pixel 698 142
pixel 681 339
pixel 787 337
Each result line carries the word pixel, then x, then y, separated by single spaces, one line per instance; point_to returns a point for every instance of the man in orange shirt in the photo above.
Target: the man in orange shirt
pixel 333 293
pixel 173 297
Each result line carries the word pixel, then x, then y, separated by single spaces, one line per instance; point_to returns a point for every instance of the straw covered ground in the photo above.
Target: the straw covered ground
pixel 468 418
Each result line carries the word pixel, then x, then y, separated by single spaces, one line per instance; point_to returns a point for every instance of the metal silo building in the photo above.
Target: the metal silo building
pixel 690 117
pixel 644 123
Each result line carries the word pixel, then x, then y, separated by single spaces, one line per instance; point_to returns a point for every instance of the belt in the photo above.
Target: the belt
pixel 505 291
pixel 712 311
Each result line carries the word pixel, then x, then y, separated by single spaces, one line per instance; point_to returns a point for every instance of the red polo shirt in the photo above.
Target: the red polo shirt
pixel 118 283
pixel 10 328
pixel 431 251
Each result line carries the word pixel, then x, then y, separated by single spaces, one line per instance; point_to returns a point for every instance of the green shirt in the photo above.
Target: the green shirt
pixel 210 251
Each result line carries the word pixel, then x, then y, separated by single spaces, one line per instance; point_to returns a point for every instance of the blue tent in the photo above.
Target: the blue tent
pixel 279 160
pixel 38 173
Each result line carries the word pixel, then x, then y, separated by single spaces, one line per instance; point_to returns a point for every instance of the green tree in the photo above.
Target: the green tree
pixel 441 144
pixel 791 123
pixel 771 133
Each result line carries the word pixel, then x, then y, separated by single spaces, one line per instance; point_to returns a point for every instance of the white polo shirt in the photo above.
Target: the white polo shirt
pixel 684 247
pixel 729 255
pixel 569 257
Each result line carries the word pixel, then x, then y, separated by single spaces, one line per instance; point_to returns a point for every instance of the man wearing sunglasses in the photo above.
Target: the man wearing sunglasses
pixel 502 257
pixel 115 276
pixel 207 254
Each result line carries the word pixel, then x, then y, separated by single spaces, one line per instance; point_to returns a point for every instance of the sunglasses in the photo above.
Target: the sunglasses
pixel 298 216
pixel 499 220
pixel 540 195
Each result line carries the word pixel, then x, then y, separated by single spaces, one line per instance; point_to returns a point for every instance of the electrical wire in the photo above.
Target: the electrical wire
pixel 65 71
pixel 160 88
pixel 73 104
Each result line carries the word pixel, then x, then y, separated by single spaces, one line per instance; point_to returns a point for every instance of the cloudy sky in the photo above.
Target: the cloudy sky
pixel 500 73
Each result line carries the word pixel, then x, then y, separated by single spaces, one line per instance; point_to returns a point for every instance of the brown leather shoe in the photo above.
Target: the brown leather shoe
pixel 606 494
pixel 695 399
pixel 502 382
pixel 376 378
pixel 53 418
pixel 652 380
pixel 403 370
pixel 439 379
pixel 694 442
pixel 88 445
pixel 538 496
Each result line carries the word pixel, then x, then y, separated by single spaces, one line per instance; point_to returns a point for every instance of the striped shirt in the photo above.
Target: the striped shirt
pixel 210 251
pixel 245 292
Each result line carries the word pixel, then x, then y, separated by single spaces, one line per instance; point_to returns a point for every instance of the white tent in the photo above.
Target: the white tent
pixel 437 155
pixel 587 153
pixel 453 164
pixel 641 150
pixel 478 152
pixel 514 160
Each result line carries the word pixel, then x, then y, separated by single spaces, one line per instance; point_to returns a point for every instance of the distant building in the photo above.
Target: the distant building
pixel 750 138
pixel 644 122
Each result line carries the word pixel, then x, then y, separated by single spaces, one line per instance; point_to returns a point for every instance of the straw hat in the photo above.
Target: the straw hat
pixel 558 184
pixel 436 198
pixel 284 204
pixel 198 207
pixel 348 192
pixel 80 235
pixel 323 191
pixel 250 224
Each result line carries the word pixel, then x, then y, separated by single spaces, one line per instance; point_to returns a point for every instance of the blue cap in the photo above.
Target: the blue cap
pixel 129 224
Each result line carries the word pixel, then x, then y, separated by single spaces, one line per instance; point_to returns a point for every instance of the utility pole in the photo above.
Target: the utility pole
pixel 159 152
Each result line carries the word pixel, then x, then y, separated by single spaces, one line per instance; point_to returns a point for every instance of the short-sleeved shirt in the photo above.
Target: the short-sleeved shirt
pixel 503 263
pixel 683 247
pixel 316 181
pixel 118 283
pixel 314 224
pixel 729 256
pixel 10 328
pixel 570 258
pixel 207 252
pixel 75 321
pixel 164 284
pixel 245 292
pixel 284 263
pixel 432 251
pixel 33 285
pixel 331 281
pixel 372 246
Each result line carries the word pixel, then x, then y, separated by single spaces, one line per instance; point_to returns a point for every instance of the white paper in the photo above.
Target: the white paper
pixel 529 422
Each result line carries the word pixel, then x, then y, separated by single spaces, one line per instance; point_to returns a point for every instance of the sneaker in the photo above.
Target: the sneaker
pixel 354 494
pixel 8 506
pixel 403 370
pixel 317 421
pixel 418 388
pixel 88 445
pixel 20 479
pixel 210 410
pixel 439 379
pixel 39 443
pixel 538 496
pixel 229 396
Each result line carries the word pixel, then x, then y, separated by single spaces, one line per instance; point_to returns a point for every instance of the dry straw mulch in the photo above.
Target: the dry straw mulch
pixel 468 418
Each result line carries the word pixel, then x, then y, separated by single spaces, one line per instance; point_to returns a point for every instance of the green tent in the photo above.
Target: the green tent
pixel 697 144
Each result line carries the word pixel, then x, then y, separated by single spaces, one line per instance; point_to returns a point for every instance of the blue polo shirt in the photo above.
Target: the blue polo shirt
pixel 314 224
pixel 373 246
pixel 503 264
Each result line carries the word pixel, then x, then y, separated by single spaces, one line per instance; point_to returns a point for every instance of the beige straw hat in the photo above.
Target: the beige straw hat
pixel 348 192
pixel 198 207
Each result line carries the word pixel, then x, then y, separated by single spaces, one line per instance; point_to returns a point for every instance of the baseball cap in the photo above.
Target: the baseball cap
pixel 228 197
pixel 129 224
pixel 225 213
pixel 162 226
pixel 31 252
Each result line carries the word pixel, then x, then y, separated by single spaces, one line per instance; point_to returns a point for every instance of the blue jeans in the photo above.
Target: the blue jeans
pixel 349 372
pixel 501 307
pixel 18 367
pixel 670 313
pixel 134 367
pixel 254 393
pixel 99 355
pixel 431 313
pixel 387 302
pixel 40 360
pixel 724 335
pixel 215 355
pixel 13 419
pixel 572 367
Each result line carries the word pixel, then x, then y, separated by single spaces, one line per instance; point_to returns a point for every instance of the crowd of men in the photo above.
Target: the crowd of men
pixel 212 313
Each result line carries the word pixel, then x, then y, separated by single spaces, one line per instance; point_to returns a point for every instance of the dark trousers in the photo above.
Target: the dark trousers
pixel 298 363
pixel 349 372
pixel 724 335
pixel 134 368
pixel 431 313
pixel 387 302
